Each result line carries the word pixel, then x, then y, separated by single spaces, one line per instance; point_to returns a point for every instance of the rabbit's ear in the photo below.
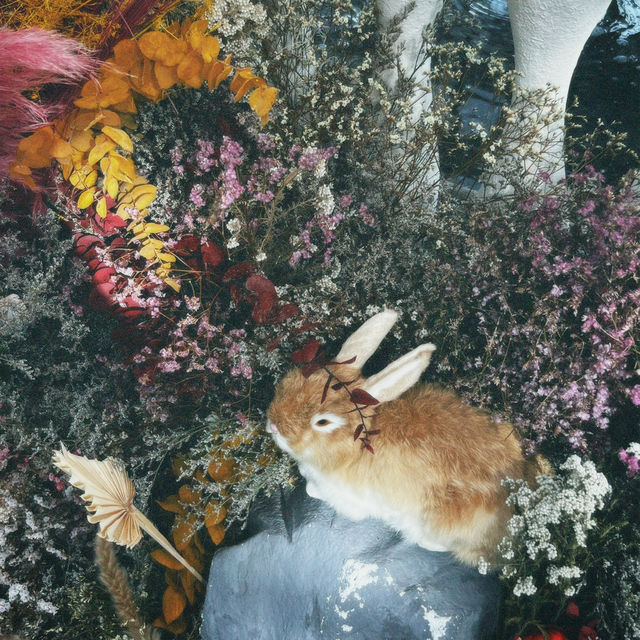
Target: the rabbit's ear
pixel 400 375
pixel 362 344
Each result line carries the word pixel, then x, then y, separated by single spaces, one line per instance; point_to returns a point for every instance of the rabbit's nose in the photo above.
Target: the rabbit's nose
pixel 271 427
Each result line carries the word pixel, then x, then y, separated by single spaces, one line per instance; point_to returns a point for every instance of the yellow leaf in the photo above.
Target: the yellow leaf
pixel 86 198
pixel 216 533
pixel 190 70
pixel 99 151
pixel 148 252
pixel 110 118
pixel 174 284
pixel 128 105
pixel 123 168
pixel 145 200
pixel 111 186
pixel 210 48
pixel 167 560
pixel 173 604
pixel 119 137
pixel 67 168
pixel 101 207
pixel 23 173
pixel 166 258
pixel 154 227
pixel 34 151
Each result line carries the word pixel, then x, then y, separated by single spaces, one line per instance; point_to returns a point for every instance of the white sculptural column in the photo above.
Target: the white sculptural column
pixel 549 36
pixel 408 49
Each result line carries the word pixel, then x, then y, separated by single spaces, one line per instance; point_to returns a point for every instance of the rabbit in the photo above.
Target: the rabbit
pixel 437 465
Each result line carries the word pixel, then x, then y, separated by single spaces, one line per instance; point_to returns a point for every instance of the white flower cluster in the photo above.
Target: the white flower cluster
pixel 566 502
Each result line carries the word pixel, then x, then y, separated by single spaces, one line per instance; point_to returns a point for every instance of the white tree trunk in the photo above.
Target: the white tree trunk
pixel 408 48
pixel 548 36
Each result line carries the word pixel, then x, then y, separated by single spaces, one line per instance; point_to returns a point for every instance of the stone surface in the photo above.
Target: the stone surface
pixel 306 573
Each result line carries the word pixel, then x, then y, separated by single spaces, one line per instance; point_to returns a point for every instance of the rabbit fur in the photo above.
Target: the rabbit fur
pixel 438 464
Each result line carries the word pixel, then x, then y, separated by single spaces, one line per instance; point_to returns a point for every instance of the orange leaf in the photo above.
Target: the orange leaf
pixel 34 151
pixel 177 627
pixel 261 101
pixel 165 75
pixel 210 48
pixel 190 70
pixel 216 533
pixel 221 75
pixel 195 33
pixel 114 89
pixel 171 504
pixel 81 140
pixel 167 560
pixel 156 45
pixel 125 54
pixel 214 513
pixel 188 585
pixel 183 531
pixel 173 604
pixel 189 495
pixel 221 470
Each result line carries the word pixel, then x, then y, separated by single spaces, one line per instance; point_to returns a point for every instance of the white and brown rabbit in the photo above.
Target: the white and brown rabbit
pixel 438 464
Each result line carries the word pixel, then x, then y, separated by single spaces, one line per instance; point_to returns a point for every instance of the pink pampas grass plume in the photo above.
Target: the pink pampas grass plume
pixel 30 58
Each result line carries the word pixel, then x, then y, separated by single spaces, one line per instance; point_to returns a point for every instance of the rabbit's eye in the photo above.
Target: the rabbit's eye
pixel 326 422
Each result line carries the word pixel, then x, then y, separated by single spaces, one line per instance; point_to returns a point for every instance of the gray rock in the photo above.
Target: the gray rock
pixel 307 573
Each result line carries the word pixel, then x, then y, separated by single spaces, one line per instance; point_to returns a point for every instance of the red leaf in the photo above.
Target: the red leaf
pixel 358 431
pixel 237 272
pixel 587 633
pixel 349 361
pixel 573 610
pixel 84 245
pixel 212 254
pixel 102 273
pixel 360 396
pixel 307 353
pixel 237 294
pixel 260 285
pixel 326 388
pixel 285 312
pixel 312 367
pixel 118 243
pixel 263 308
pixel 367 445
pixel 186 245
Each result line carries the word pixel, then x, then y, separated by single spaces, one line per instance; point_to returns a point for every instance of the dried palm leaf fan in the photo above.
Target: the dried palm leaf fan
pixel 110 494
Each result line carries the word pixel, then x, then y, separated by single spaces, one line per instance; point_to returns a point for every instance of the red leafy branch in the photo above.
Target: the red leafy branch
pixel 313 358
